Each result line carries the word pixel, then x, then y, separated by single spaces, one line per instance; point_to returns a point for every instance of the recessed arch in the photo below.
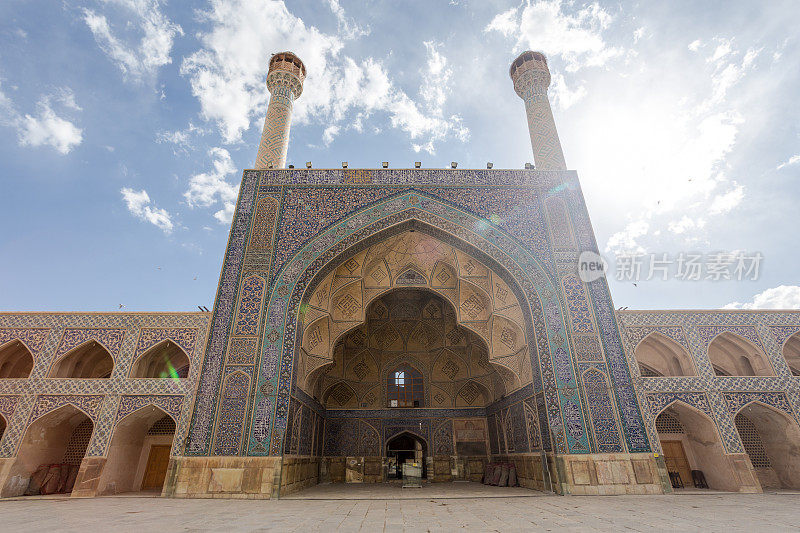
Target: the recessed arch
pixel 139 451
pixel 16 360
pixel 699 447
pixel 332 296
pixel 412 326
pixel 3 426
pixel 771 438
pixel 733 355
pixel 89 360
pixel 662 356
pixel 791 353
pixel 406 446
pixel 165 359
pixel 53 448
pixel 528 281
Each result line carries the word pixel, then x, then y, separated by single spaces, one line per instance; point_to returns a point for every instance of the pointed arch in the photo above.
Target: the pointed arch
pixel 489 244
pixel 130 448
pixel 413 434
pixel 771 438
pixel 663 356
pixel 58 437
pixel 16 360
pixel 734 355
pixel 3 426
pixel 165 359
pixel 698 448
pixel 791 353
pixel 404 445
pixel 88 360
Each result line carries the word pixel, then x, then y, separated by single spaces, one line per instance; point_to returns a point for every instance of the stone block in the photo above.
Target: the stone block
pixel 226 480
pixel 580 472
pixel 642 471
pixel 88 477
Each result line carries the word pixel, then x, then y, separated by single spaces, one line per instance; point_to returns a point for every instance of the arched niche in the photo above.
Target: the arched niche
pixel 3 426
pixel 416 329
pixel 791 352
pixel 58 438
pixel 16 360
pixel 771 439
pixel 690 436
pixel 659 355
pixel 479 300
pixel 733 355
pixel 337 303
pixel 406 447
pixel 139 452
pixel 163 360
pixel 89 360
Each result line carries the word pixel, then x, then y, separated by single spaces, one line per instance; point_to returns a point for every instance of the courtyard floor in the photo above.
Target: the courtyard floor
pixel 438 507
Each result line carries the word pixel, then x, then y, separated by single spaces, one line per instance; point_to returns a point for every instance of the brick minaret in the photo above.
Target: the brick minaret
pixel 285 83
pixel 531 79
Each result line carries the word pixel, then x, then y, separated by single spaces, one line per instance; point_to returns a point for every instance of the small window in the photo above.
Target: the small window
pixel 405 388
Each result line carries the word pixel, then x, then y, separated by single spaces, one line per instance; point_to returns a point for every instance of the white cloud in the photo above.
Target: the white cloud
pixel 347 26
pixel 138 203
pixel 625 241
pixel 781 297
pixel 685 224
pixel 694 46
pixel 561 95
pixel 182 139
pixel 722 49
pixel 505 22
pixel 638 34
pixel 227 75
pixel 329 134
pixel 789 162
pixel 543 25
pixel 45 127
pixel 139 53
pixel 677 165
pixel 211 188
pixel 723 203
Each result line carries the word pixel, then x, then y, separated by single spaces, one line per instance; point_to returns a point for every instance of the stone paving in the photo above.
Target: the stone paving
pixel 534 512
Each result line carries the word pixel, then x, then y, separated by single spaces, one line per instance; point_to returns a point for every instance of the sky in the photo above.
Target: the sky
pixel 125 126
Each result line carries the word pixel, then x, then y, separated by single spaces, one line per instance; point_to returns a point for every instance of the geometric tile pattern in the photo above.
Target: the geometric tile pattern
pixel 531 80
pixel 32 338
pixel 579 313
pixel 477 210
pixel 252 293
pixel 602 412
pixel 111 339
pixel 721 397
pixel 126 336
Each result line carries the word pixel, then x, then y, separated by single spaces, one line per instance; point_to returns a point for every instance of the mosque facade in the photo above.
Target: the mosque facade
pixel 366 318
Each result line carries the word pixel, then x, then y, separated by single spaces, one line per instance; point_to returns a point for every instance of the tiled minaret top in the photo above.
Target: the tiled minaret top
pixel 531 79
pixel 285 83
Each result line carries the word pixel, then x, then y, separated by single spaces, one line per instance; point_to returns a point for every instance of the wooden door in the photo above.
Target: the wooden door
pixel 675 459
pixel 156 470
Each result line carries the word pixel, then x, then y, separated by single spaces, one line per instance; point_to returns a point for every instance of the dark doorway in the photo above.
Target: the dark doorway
pixel 402 448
